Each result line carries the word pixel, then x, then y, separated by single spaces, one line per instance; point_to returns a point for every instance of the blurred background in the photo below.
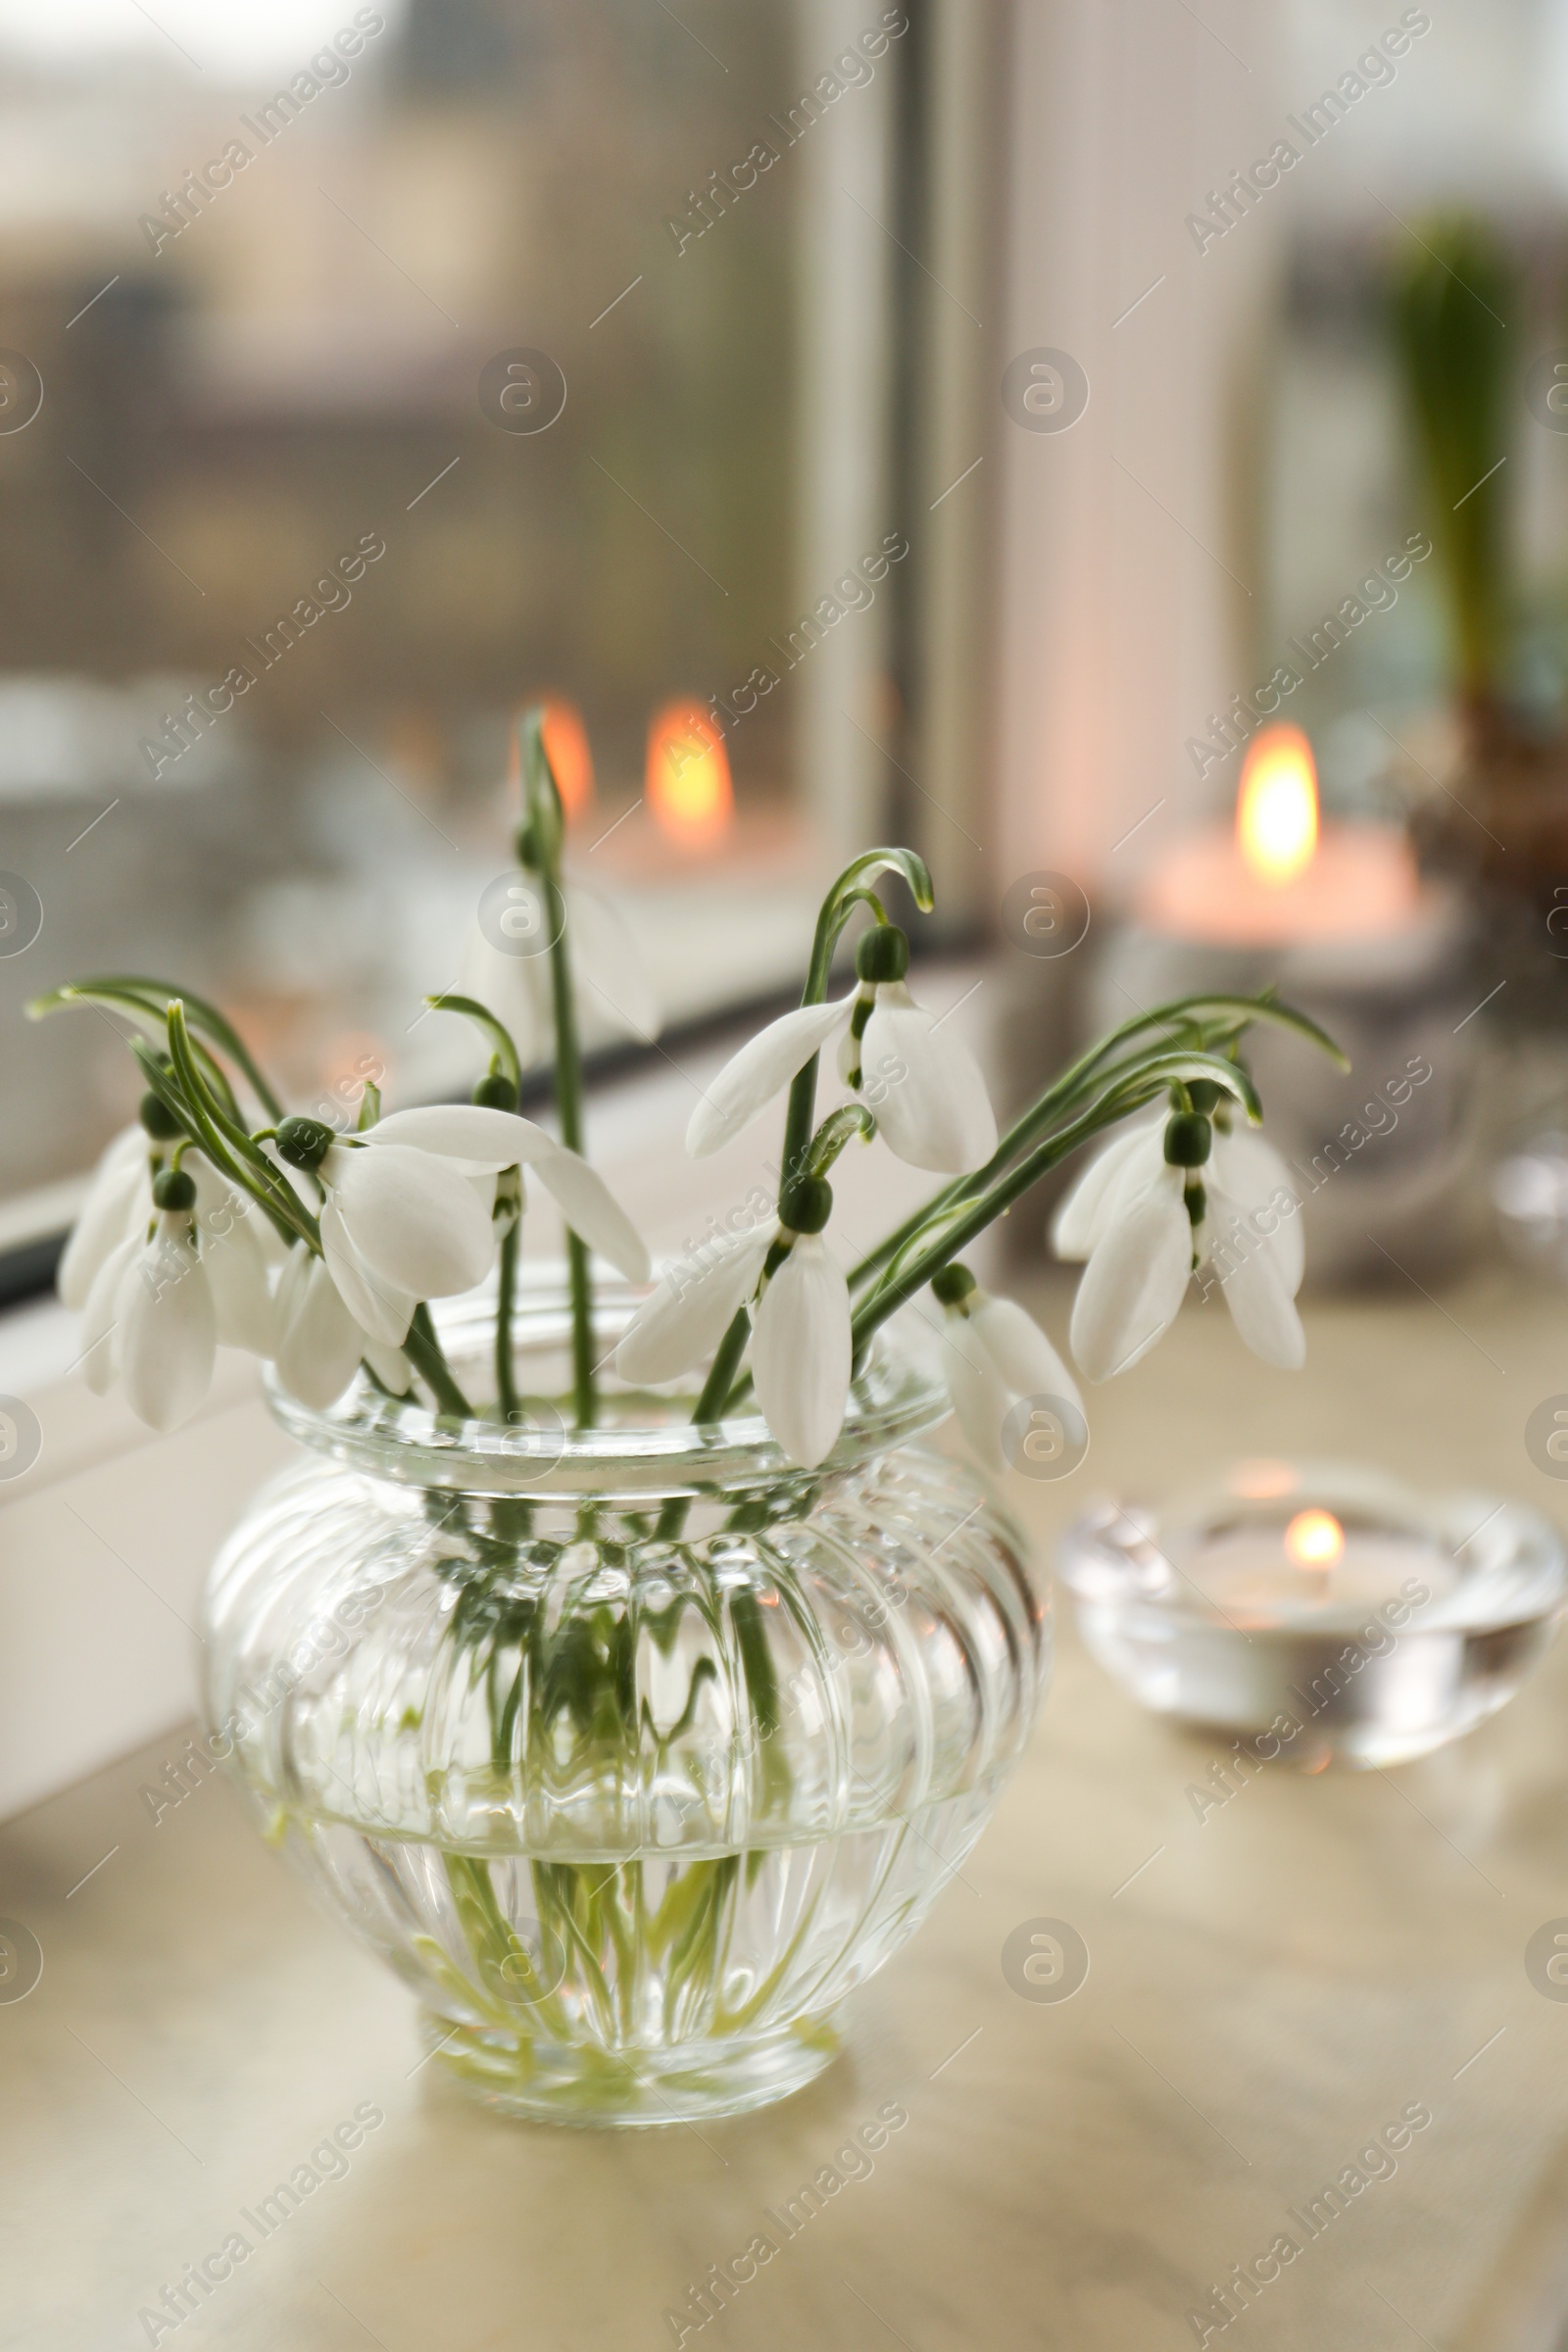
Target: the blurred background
pixel 690 522
pixel 413 362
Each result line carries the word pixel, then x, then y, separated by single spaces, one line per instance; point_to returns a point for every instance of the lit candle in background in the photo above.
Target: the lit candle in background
pixel 1320 1610
pixel 1277 878
pixel 690 794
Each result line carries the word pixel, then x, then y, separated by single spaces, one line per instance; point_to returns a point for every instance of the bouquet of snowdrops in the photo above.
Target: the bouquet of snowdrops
pixel 221 1218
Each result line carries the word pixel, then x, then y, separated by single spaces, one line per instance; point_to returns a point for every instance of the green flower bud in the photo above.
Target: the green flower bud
pixel 883 953
pixel 305 1142
pixel 174 1189
pixel 1207 1094
pixel 952 1285
pixel 806 1204
pixel 158 1119
pixel 1189 1139
pixel 496 1091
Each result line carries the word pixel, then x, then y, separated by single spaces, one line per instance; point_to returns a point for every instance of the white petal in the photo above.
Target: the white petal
pixel 1251 1172
pixel 1252 1278
pixel 411 1217
pixel 514 988
pixel 378 1308
pixel 981 1396
pixel 1021 1352
pixel 925 1087
pixel 167 1331
pixel 1129 1162
pixel 1134 1283
pixel 593 1212
pixel 803 1350
pixel 117 1200
pixel 613 988
pixel 321 1344
pixel 100 1322
pixel 241 1297
pixel 390 1367
pixel 692 1309
pixel 761 1069
pixel 467 1132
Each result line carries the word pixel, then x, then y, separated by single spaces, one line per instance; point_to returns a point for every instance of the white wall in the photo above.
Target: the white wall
pixel 1129 541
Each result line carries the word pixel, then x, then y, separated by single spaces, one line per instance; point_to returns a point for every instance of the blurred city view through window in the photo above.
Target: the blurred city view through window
pixel 398 364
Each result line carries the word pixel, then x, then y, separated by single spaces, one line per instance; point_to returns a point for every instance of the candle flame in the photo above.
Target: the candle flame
pixel 571 762
pixel 1276 810
pixel 689 788
pixel 1314 1540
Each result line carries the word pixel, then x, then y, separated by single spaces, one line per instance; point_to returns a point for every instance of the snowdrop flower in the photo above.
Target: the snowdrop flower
pixel 406 1216
pixel 920 1080
pixel 993 1355
pixel 513 982
pixel 691 1306
pixel 234 1249
pixel 1143 1218
pixel 320 1343
pixel 118 1205
pixel 802 1347
pixel 150 1320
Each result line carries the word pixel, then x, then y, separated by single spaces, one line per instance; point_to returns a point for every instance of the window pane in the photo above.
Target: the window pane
pixel 399 365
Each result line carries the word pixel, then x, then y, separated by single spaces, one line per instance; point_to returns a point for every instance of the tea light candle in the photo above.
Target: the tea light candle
pixel 1280 880
pixel 1318 1611
pixel 1314 1571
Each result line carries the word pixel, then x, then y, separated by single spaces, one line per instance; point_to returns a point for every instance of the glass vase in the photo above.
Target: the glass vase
pixel 632 1749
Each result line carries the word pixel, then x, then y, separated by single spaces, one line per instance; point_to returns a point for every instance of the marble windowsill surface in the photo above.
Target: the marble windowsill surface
pixel 1268 1988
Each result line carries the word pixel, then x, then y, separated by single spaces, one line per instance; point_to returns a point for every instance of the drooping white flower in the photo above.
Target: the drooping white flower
pixel 922 1082
pixel 613 996
pixel 320 1343
pixel 152 1324
pixel 237 1244
pixel 803 1352
pixel 119 1210
pixel 408 1213
pixel 167 1343
pixel 481 1140
pixel 119 1203
pixel 693 1306
pixel 994 1355
pixel 1129 1216
pixel 404 1222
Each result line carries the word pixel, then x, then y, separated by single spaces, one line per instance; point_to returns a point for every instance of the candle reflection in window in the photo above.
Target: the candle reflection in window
pixel 689 789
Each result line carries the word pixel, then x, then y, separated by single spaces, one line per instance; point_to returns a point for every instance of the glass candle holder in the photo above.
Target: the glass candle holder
pixel 1320 1610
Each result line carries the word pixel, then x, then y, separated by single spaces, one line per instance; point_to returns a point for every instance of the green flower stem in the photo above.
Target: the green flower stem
pixel 498 1037
pixel 847 892
pixel 292 1219
pixel 505 1301
pixel 540 844
pixel 709 1406
pixel 424 1353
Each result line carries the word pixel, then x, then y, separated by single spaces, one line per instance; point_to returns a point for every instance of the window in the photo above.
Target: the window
pixel 400 363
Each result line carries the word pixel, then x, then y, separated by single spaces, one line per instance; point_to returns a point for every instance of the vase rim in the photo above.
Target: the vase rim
pixel 644 1452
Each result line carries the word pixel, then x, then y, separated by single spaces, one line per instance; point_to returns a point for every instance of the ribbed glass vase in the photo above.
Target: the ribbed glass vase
pixel 632 1749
